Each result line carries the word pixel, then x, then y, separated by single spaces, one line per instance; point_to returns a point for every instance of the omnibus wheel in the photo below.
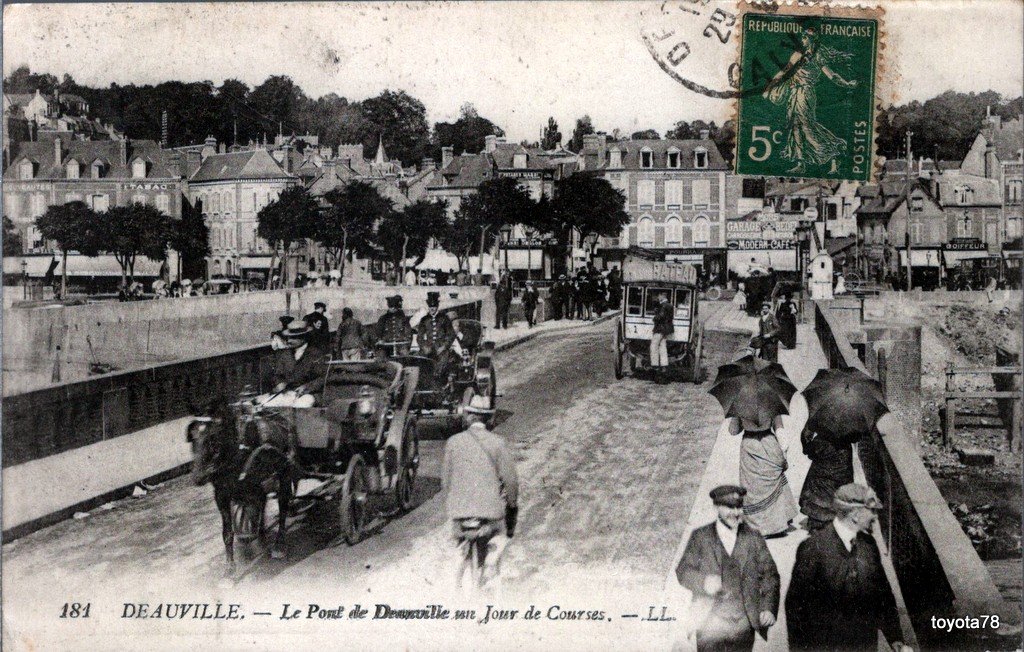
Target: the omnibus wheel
pixel 619 354
pixel 405 486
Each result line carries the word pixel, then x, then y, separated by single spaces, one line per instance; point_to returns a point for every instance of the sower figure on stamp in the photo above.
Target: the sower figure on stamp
pixel 839 597
pixel 733 578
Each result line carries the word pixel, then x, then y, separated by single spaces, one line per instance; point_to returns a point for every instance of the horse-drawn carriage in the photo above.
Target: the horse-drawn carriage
pixel 644 284
pixel 447 386
pixel 343 458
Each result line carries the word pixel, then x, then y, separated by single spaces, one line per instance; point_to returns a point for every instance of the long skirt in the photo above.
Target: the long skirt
pixel 831 468
pixel 787 330
pixel 769 505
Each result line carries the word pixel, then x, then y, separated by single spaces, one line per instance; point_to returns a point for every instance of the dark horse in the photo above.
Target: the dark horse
pixel 243 469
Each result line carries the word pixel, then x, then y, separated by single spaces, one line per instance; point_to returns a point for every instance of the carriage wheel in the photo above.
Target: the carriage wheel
pixel 248 520
pixel 713 293
pixel 493 397
pixel 354 501
pixel 405 487
pixel 619 354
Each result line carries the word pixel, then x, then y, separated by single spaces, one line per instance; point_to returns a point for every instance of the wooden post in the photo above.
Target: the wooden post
pixel 949 431
pixel 1015 421
pixel 883 372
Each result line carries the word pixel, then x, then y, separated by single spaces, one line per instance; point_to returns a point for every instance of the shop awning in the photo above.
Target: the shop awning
pixel 686 259
pixel 920 257
pixel 953 258
pixel 1012 253
pixel 522 258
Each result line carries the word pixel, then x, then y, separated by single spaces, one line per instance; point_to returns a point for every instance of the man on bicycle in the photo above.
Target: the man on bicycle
pixel 481 489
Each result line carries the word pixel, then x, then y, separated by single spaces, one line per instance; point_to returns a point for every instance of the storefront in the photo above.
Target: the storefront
pixel 761 242
pixel 711 262
pixel 967 262
pixel 925 266
pixel 527 257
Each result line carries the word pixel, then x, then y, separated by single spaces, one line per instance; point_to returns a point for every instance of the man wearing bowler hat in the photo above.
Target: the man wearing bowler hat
pixel 300 363
pixel 394 334
pixel 733 578
pixel 839 597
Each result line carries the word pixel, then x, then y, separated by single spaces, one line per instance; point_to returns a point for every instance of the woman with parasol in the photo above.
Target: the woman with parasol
pixel 754 394
pixel 842 406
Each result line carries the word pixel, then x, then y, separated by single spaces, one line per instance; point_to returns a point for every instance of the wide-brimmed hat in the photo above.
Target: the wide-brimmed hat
pixel 297 332
pixel 433 299
pixel 319 304
pixel 479 405
pixel 728 494
pixel 395 301
pixel 285 320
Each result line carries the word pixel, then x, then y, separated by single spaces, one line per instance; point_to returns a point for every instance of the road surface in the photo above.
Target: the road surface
pixel 608 471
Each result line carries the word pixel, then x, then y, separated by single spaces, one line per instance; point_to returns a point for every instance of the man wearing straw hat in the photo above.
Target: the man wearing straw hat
pixel 839 597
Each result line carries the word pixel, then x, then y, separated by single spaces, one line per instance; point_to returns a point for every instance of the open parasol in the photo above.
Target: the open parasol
pixel 753 390
pixel 843 404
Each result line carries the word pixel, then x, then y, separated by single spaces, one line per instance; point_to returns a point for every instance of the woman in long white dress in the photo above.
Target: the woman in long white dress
pixel 769 505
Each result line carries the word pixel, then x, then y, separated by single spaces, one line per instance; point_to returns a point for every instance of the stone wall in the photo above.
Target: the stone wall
pixel 138 334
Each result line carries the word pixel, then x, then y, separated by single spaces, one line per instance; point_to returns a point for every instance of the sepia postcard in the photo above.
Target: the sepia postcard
pixel 690 325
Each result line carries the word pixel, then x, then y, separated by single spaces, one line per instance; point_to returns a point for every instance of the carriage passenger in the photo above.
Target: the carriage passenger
pixel 435 335
pixel 393 330
pixel 297 365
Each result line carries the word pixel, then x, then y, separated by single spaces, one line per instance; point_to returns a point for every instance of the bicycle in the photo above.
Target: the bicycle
pixel 481 545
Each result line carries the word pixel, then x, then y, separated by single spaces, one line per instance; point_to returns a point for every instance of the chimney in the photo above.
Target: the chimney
pixel 222 148
pixel 596 143
pixel 175 165
pixel 58 151
pixel 286 157
pixel 122 146
pixel 490 143
pixel 705 134
pixel 991 165
pixel 193 160
pixel 447 154
pixel 209 147
pixel 427 164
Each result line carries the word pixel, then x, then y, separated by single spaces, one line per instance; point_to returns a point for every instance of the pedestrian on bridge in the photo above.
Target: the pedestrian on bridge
pixel 839 597
pixel 771 506
pixel 732 576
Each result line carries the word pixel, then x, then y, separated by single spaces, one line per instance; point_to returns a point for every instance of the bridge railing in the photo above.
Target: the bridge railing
pixel 60 418
pixel 939 571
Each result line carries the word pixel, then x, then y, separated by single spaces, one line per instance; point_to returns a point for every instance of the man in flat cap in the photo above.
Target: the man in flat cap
pixel 768 331
pixel 394 334
pixel 839 597
pixel 733 578
pixel 317 320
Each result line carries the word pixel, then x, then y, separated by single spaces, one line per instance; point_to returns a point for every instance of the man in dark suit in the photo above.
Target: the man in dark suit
pixel 300 363
pixel 839 596
pixel 317 320
pixel 733 578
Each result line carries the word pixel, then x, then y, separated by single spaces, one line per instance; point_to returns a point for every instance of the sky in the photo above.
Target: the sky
pixel 516 62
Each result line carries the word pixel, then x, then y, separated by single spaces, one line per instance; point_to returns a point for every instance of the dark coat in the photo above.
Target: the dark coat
pixel 831 468
pixel 321 328
pixel 394 327
pixel 435 334
pixel 768 327
pixel 351 335
pixel 838 600
pixel 759 577
pixel 530 298
pixel 663 319
pixel 294 372
pixel 503 292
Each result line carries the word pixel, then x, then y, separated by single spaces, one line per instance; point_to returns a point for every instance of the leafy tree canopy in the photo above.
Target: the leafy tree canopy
pixel 128 231
pixel 289 218
pixel 12 239
pixel 348 222
pixel 409 232
pixel 465 134
pixel 646 134
pixel 590 205
pixel 584 127
pixel 552 136
pixel 724 136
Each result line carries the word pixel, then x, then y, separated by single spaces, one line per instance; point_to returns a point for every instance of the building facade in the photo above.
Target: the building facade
pixel 679 195
pixel 998 153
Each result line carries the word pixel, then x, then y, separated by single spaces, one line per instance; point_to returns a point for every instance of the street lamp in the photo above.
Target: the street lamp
pixel 24 279
pixel 506 235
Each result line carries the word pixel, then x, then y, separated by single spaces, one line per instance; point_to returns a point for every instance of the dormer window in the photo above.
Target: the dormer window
pixel 97 169
pixel 700 158
pixel 646 158
pixel 615 158
pixel 27 169
pixel 138 169
pixel 72 169
pixel 673 158
pixel 963 194
pixel 519 160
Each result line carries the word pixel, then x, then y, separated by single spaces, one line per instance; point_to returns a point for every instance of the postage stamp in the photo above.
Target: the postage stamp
pixel 806 104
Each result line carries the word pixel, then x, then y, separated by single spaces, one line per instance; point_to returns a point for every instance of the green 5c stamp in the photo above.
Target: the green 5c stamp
pixel 807 98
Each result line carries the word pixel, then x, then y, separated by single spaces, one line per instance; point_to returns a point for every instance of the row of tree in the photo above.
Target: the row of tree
pixel 126 232
pixel 357 219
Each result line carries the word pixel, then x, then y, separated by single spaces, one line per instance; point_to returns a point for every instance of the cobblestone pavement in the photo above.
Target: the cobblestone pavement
pixel 608 470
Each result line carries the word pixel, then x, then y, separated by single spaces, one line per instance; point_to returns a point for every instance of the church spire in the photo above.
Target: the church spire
pixel 381 158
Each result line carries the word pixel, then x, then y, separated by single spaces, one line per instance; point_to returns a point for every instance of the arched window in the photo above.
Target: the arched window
pixel 645 232
pixel 673 231
pixel 72 169
pixel 138 169
pixel 701 231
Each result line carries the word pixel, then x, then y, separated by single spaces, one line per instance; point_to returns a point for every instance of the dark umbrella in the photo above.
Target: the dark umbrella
pixel 843 404
pixel 753 390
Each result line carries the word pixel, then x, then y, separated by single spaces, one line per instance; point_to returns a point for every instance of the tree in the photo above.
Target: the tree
pixel 12 239
pixel 407 233
pixel 73 227
pixel 466 134
pixel 286 220
pixel 128 231
pixel 724 137
pixel 497 204
pixel 646 134
pixel 402 122
pixel 459 237
pixel 588 204
pixel 583 127
pixel 348 222
pixel 191 239
pixel 552 136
